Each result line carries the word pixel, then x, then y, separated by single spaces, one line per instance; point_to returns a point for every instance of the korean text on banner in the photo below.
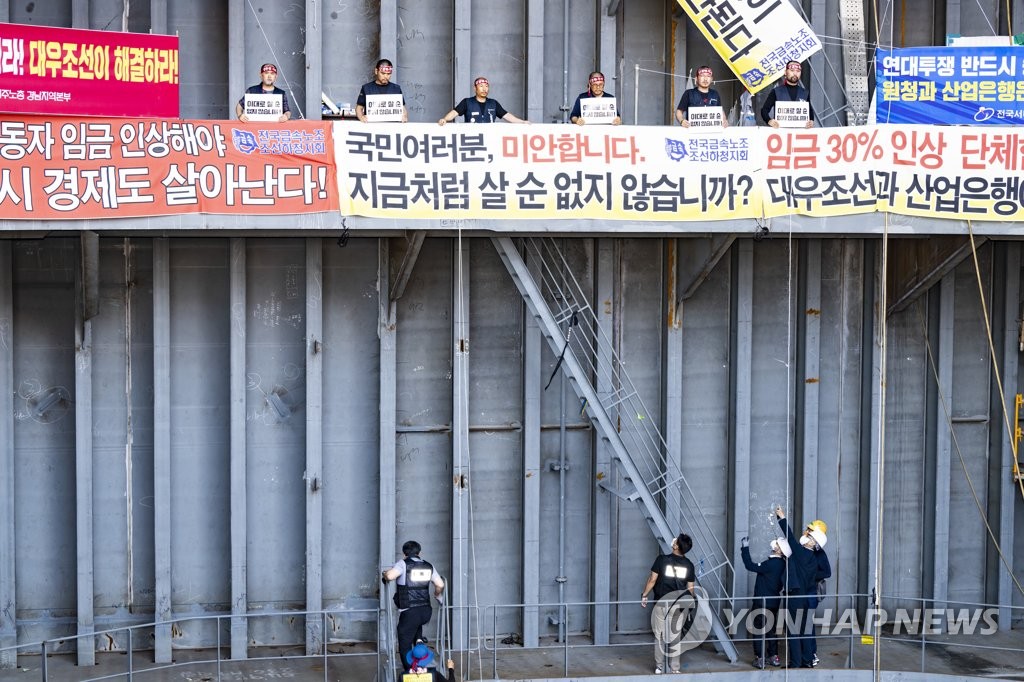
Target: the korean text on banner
pixel 545 172
pixel 950 85
pixel 64 71
pixel 755 37
pixel 59 168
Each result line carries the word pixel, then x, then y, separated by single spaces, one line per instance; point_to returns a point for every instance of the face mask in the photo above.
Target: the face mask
pixel 806 541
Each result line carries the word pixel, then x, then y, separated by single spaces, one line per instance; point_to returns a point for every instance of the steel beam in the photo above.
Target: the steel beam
pixel 871 531
pixel 717 246
pixel 314 50
pixel 743 325
pixel 84 554
pixel 945 264
pixel 1007 487
pixel 412 253
pixel 387 510
pixel 315 636
pixel 239 516
pixel 236 53
pixel 461 49
pixel 8 585
pixel 605 258
pixel 388 30
pixel 811 379
pixel 157 16
pixel 162 504
pixel 673 380
pixel 943 443
pixel 535 61
pixel 532 382
pixel 459 594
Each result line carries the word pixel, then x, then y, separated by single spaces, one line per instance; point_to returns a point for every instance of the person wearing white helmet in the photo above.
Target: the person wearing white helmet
pixel 767 586
pixel 816 530
pixel 800 571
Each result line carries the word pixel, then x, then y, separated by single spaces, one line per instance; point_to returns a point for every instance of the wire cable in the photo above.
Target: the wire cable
pixel 995 362
pixel 959 453
pixel 883 334
pixel 277 60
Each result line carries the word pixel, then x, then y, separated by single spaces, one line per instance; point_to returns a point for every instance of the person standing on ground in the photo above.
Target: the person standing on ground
pixel 768 585
pixel 414 577
pixel 672 576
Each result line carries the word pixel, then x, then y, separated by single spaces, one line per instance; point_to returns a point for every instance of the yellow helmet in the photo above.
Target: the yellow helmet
pixel 818 524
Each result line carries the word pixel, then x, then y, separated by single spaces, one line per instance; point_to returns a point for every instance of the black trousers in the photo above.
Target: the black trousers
pixel 769 640
pixel 410 628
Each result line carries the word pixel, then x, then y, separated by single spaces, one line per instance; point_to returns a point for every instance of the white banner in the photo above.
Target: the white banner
pixel 384 108
pixel 598 110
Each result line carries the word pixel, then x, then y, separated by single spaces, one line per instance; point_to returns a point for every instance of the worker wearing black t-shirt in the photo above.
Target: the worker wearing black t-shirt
pixel 701 96
pixel 672 576
pixel 789 90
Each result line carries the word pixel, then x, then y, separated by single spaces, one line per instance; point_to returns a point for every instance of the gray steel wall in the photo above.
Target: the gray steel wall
pixel 93 535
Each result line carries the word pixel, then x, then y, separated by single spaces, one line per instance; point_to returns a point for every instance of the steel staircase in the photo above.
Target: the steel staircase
pixel 570 326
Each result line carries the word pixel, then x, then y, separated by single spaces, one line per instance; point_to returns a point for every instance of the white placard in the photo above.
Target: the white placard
pixel 705 119
pixel 264 107
pixel 791 114
pixel 382 108
pixel 598 110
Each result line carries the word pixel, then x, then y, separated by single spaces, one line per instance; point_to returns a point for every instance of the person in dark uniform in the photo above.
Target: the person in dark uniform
pixel 800 571
pixel 414 577
pixel 421 666
pixel 701 96
pixel 380 85
pixel 480 108
pixel 596 89
pixel 672 576
pixel 822 572
pixel 767 586
pixel 268 76
pixel 789 90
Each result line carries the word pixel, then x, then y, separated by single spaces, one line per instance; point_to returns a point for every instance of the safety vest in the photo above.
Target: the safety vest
pixel 416 590
pixel 782 93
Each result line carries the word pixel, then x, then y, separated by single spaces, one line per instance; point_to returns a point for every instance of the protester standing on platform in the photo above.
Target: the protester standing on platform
pixel 703 95
pixel 380 85
pixel 268 76
pixel 789 90
pixel 596 89
pixel 480 108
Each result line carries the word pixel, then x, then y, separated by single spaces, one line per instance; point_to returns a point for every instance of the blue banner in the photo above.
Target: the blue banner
pixel 950 85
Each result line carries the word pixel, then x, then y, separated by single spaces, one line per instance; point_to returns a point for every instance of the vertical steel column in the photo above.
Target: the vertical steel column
pixel 462 49
pixel 388 31
pixel 157 16
pixel 943 443
pixel 236 52
pixel 531 471
pixel 607 52
pixel 83 474
pixel 744 334
pixel 8 591
pixel 314 49
pixel 1007 487
pixel 316 640
pixel 535 64
pixel 952 18
pixel 604 501
pixel 870 535
pixel 239 516
pixel 162 448
pixel 386 331
pixel 80 14
pixel 811 380
pixel 819 69
pixel 459 596
pixel 673 379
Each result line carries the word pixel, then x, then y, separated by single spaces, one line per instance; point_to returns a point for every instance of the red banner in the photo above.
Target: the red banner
pixel 59 168
pixel 47 70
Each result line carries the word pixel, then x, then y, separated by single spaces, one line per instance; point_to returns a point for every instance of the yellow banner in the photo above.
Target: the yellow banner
pixel 755 37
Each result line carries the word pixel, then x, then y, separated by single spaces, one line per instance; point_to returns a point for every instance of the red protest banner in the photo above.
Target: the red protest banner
pixel 48 70
pixel 59 168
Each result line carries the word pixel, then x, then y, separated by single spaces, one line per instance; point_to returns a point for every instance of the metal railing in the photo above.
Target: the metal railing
pixel 931 626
